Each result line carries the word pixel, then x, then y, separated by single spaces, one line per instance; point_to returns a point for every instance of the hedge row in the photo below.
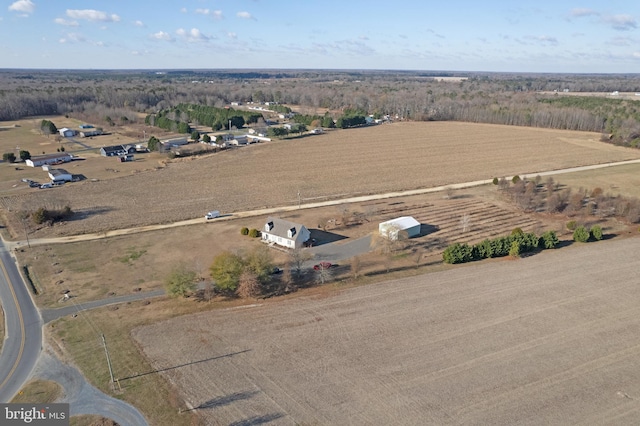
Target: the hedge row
pixel 512 245
pixel 582 234
pixel 253 233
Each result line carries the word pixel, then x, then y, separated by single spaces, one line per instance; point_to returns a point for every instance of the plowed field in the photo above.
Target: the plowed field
pixel 550 339
pixel 333 165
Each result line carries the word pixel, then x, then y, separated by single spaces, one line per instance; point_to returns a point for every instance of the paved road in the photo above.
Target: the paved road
pixel 49 315
pixel 82 397
pixel 23 324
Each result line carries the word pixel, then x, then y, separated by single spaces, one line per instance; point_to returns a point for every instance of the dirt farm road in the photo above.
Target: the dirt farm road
pixel 275 210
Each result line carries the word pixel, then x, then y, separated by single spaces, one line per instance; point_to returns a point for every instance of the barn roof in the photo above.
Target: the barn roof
pixel 404 222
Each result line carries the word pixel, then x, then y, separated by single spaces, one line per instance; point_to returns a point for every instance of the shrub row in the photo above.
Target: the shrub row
pixel 512 245
pixel 583 235
pixel 253 233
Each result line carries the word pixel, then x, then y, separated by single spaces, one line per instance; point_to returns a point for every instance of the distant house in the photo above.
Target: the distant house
pixel 284 233
pixel 239 140
pixel 67 133
pixel 41 160
pixel 117 150
pixel 391 228
pixel 168 143
pixel 60 175
pixel 89 133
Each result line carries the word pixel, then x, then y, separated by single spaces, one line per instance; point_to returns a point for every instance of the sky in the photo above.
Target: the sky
pixel 447 35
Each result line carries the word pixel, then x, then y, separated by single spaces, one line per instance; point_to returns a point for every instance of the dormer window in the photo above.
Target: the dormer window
pixel 268 226
pixel 291 232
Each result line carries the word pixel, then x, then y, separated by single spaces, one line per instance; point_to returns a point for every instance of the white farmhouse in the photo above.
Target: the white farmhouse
pixel 391 228
pixel 284 233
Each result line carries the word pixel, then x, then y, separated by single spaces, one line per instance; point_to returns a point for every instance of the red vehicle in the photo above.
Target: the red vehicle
pixel 322 265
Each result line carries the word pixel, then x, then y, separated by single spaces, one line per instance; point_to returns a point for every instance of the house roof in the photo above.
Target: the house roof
pixel 37 158
pixel 281 227
pixel 404 222
pixel 113 148
pixel 58 172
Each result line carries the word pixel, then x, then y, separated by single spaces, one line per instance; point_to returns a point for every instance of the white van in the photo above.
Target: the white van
pixel 212 214
pixel 46 185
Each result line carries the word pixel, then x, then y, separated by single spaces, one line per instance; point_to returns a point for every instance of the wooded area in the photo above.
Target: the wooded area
pixel 537 100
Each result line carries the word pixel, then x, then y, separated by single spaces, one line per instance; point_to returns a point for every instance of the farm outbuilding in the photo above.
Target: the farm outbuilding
pixel 60 175
pixel 285 233
pixel 391 228
pixel 67 133
pixel 41 160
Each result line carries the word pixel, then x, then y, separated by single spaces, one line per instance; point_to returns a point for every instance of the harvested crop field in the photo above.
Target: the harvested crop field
pixel 550 339
pixel 333 165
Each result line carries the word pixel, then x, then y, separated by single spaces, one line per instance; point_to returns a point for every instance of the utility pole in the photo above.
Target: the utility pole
pixel 25 232
pixel 104 343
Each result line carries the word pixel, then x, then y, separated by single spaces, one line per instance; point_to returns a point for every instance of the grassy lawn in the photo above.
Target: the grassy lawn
pixel 38 392
pixel 139 385
pixel 617 180
pixel 90 421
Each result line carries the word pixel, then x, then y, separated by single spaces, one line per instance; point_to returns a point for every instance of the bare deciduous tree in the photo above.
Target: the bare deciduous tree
pixel 324 274
pixel 248 285
pixel 465 222
pixel 355 266
pixel 298 257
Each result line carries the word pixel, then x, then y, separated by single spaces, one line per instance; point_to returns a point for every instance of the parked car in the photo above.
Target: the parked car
pixel 46 185
pixel 212 214
pixel 34 184
pixel 322 265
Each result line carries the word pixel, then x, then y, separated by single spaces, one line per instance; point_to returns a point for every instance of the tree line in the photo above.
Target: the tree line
pixel 483 97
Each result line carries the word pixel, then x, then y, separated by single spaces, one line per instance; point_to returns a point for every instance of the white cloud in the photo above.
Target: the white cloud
pixel 73 38
pixel 217 14
pixel 183 10
pixel 193 35
pixel 621 22
pixel 203 11
pixel 138 23
pixel 161 35
pixel 580 12
pixel 622 41
pixel 244 15
pixel 23 6
pixel 232 35
pixel 92 15
pixel 543 39
pixel 66 23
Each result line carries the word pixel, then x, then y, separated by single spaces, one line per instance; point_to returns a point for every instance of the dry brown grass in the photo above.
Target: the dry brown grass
pixel 38 392
pixel 91 421
pixel 619 180
pixel 334 165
